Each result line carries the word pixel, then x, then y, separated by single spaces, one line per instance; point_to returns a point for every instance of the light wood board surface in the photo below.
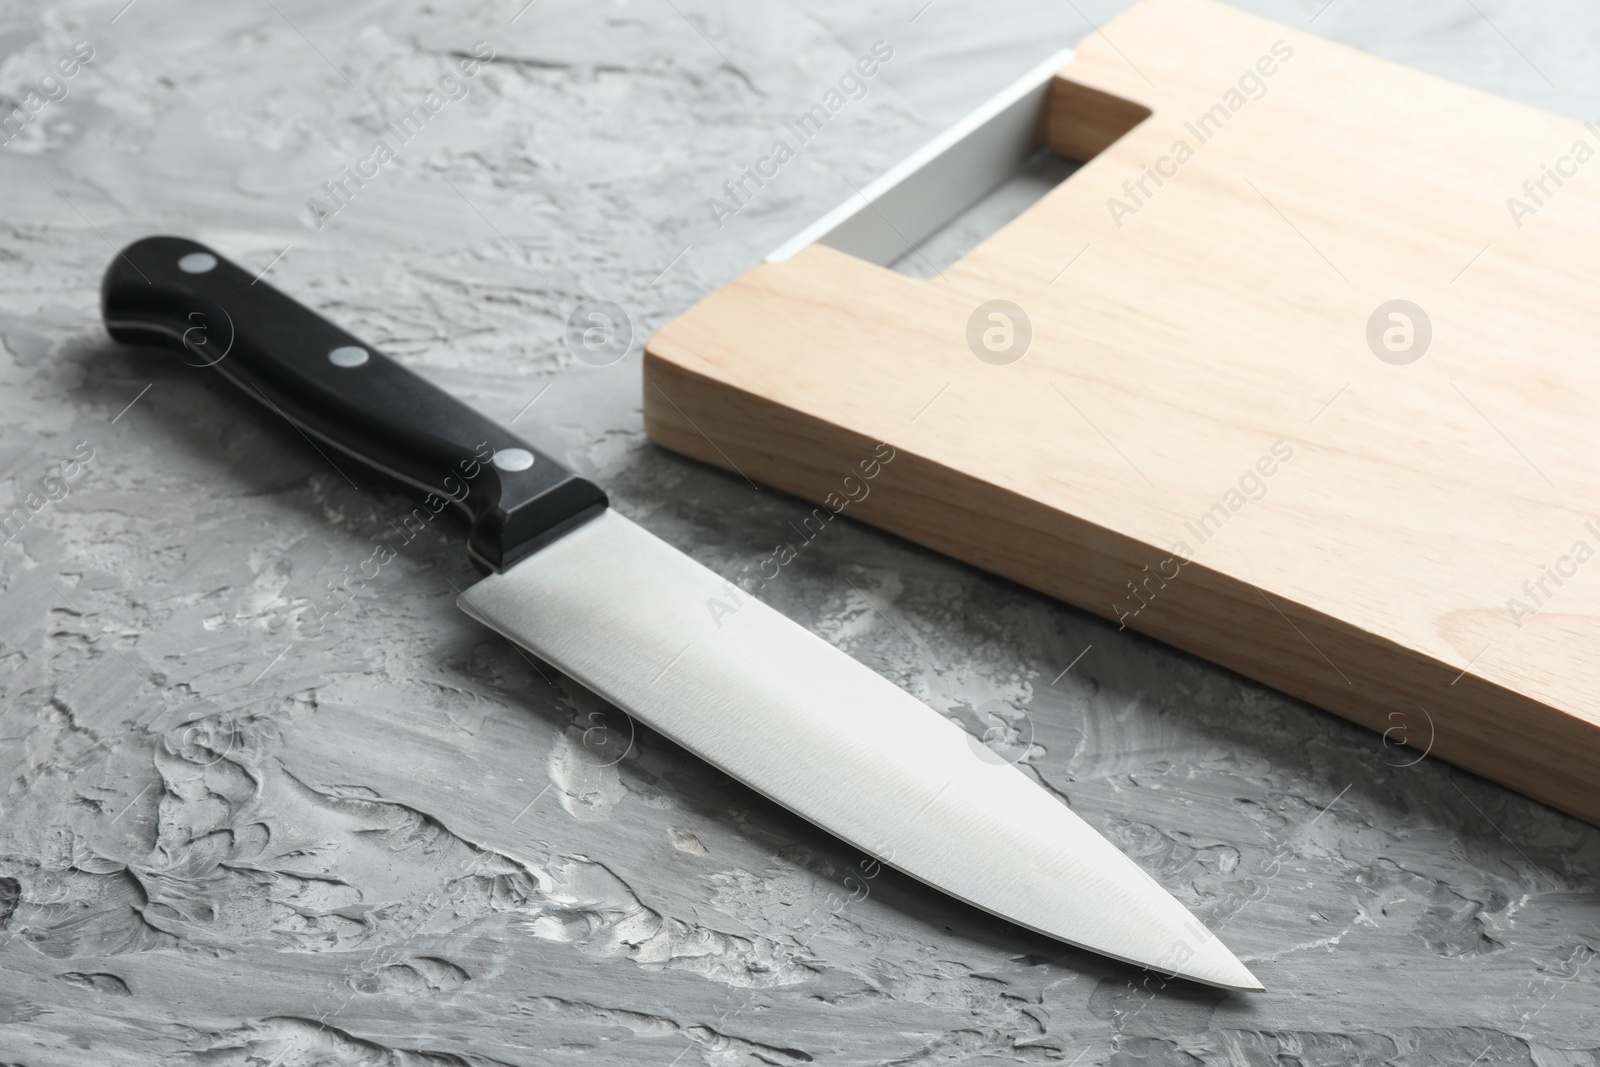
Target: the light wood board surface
pixel 1395 566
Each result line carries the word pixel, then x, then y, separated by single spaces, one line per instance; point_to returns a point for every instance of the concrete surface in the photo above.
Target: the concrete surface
pixel 240 824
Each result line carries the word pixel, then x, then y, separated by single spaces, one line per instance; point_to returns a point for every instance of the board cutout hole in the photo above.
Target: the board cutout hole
pixel 993 212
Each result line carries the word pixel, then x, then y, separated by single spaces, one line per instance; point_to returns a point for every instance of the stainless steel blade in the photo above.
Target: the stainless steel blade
pixel 794 718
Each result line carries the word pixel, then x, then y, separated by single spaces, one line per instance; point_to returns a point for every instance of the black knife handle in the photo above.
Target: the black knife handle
pixel 173 292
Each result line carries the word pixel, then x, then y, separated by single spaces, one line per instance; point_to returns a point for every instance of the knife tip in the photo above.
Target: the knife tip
pixel 1220 967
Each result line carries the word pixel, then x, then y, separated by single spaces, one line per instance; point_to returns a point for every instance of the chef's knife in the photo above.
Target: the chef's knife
pixel 626 614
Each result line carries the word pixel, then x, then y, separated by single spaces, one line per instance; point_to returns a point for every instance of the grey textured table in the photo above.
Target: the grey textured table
pixel 242 822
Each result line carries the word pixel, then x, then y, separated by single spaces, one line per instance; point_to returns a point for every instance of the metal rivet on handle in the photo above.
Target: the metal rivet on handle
pixel 513 459
pixel 197 262
pixel 348 356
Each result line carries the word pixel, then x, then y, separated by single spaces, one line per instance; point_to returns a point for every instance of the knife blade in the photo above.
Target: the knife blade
pixel 750 691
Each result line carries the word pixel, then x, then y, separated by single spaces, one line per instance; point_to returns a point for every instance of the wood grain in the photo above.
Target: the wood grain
pixel 1381 570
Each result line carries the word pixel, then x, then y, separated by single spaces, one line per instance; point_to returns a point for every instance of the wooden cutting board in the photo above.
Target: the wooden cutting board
pixel 1398 521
